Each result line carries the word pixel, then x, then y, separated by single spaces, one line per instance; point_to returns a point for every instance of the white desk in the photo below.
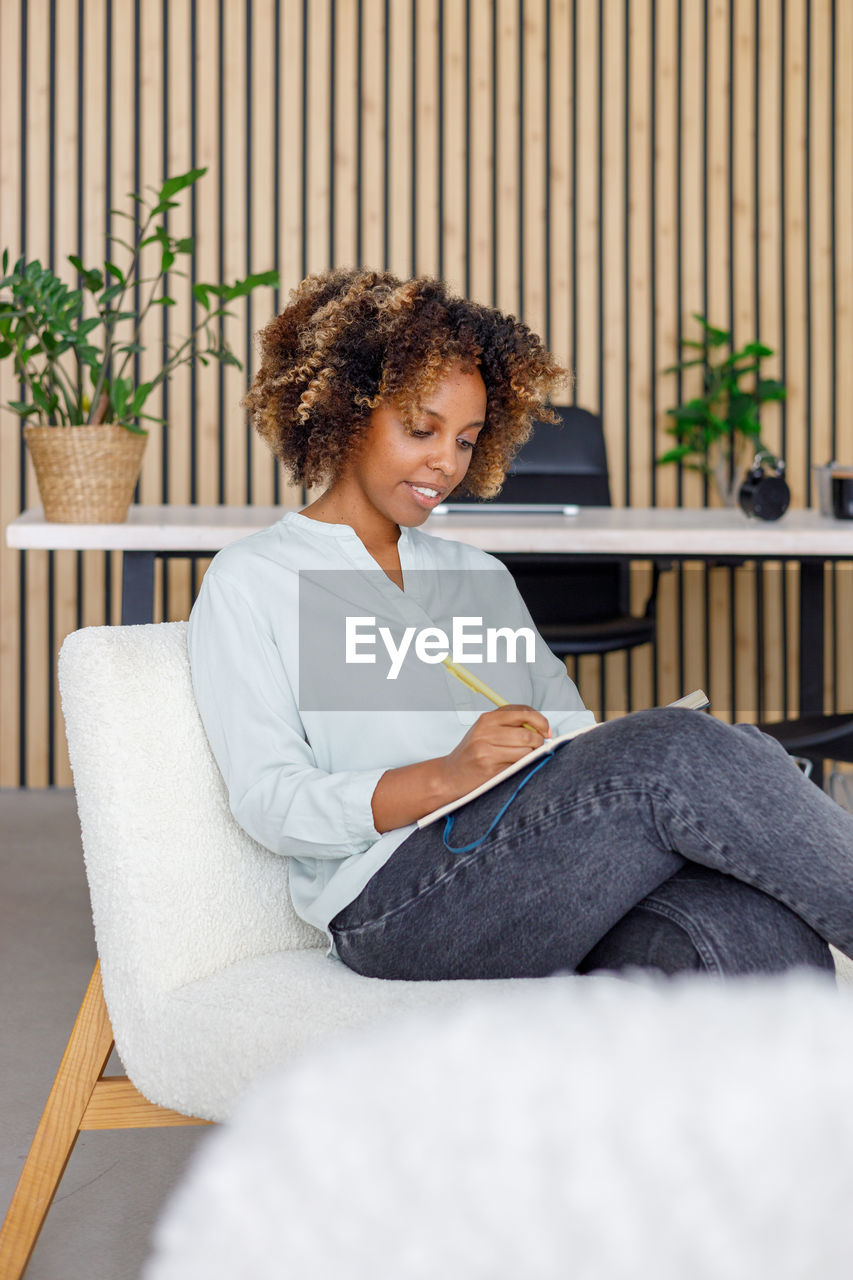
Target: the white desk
pixel 633 533
pixel 629 531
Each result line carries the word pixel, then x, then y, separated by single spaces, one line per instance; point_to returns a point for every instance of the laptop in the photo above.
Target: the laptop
pixel 506 508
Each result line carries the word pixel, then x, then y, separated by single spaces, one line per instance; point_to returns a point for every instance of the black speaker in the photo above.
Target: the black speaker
pixel 762 494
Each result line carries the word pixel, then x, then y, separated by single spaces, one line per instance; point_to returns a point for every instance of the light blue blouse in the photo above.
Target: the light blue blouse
pixel 300 781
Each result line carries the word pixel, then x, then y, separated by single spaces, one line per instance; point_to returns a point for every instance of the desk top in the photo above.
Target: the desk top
pixel 636 531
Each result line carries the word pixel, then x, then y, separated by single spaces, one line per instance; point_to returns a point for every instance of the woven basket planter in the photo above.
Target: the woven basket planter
pixel 86 475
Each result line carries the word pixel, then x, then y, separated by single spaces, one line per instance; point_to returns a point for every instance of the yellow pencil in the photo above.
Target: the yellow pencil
pixel 468 677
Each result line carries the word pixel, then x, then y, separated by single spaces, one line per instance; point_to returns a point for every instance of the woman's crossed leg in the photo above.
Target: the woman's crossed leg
pixel 617 819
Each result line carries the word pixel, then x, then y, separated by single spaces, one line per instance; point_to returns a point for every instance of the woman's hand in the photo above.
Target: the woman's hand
pixel 496 739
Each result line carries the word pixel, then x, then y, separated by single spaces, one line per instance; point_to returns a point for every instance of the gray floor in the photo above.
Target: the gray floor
pixel 115 1183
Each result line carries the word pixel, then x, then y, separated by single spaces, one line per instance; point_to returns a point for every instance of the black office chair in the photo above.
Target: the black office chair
pixel 818 738
pixel 578 606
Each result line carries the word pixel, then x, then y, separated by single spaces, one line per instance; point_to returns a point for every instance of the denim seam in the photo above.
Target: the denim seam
pixel 551 817
pixel 684 922
pixel 749 875
pixel 496 845
pixel 742 871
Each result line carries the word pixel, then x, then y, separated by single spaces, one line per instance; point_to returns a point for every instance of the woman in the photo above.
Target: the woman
pixel 665 839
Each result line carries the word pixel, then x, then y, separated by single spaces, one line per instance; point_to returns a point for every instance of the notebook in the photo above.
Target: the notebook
pixel 695 701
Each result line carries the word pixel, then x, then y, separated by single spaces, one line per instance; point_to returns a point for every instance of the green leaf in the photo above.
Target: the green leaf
pixel 693 411
pixel 92 280
pixel 24 409
pixel 40 398
pixel 241 288
pixel 270 277
pixel 5 261
pixel 120 392
pixel 685 364
pixel 114 270
pixel 715 337
pixel 111 292
pixel 139 397
pixel 741 406
pixel 675 455
pixel 730 365
pixel 185 246
pixel 172 186
pixel 150 418
pixel 133 429
pixel 165 301
pixel 166 260
pixel 200 294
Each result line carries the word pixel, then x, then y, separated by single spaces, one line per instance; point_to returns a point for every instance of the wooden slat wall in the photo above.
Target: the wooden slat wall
pixel 601 168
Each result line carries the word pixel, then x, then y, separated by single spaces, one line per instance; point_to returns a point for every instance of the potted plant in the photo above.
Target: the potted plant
pixel 76 370
pixel 717 430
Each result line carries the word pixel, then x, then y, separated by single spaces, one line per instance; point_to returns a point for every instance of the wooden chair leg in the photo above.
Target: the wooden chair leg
pixel 81 1098
pixel 85 1057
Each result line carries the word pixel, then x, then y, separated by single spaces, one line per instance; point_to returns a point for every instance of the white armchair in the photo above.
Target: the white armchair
pixel 209 976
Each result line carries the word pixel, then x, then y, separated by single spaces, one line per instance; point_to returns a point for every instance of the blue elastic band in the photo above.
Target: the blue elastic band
pixel 466 848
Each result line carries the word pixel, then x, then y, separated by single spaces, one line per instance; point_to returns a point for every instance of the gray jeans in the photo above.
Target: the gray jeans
pixel 665 839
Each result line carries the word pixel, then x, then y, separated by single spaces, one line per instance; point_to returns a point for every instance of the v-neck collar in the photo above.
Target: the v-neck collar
pixel 351 545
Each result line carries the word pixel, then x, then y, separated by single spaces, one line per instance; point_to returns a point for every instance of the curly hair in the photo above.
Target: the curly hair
pixel 351 339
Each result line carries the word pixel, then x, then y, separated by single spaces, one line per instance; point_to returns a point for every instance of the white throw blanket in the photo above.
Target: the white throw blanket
pixel 603 1130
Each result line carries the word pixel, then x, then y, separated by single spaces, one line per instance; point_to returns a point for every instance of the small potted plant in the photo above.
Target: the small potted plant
pixel 80 405
pixel 718 430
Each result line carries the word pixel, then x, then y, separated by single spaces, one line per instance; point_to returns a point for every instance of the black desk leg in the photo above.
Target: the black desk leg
pixel 811 647
pixel 137 587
